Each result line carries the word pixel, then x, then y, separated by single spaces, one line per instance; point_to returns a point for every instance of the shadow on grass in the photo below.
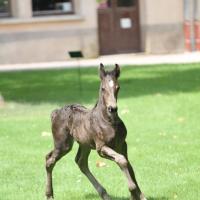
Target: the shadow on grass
pixel 63 86
pixel 157 198
pixel 92 196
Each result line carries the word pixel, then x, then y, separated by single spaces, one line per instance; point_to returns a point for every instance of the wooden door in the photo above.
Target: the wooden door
pixel 118 24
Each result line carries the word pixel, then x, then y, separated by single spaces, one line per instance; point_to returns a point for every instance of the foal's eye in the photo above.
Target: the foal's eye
pixel 102 89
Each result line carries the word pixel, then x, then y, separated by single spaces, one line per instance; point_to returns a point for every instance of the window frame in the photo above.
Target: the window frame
pixel 46 13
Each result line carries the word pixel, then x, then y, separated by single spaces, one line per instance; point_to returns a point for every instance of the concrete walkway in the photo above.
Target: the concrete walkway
pixel 121 59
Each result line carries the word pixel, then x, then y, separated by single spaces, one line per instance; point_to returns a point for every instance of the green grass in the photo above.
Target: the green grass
pixel 159 105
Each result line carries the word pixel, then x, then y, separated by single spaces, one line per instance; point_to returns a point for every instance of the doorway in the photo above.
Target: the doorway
pixel 118 26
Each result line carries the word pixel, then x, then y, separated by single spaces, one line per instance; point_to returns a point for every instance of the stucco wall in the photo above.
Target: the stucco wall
pixel 26 39
pixel 161 26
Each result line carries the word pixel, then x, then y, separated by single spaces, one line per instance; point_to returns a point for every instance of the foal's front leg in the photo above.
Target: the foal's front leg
pixel 124 152
pixel 124 164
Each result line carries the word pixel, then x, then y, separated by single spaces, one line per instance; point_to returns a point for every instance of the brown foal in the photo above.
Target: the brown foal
pixel 99 128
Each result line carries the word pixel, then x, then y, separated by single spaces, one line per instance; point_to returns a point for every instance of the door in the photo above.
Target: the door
pixel 118 25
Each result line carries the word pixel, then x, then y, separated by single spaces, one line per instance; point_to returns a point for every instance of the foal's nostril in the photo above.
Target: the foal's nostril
pixel 112 109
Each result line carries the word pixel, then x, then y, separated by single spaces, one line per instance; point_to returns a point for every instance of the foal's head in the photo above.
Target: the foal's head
pixel 109 87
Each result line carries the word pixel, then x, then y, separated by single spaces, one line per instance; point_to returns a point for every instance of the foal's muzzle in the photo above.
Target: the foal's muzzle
pixel 112 109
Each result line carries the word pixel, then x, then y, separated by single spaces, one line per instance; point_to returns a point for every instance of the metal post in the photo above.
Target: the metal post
pixel 77 55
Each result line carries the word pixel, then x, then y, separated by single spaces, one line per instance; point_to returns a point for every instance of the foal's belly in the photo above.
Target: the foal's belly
pixel 81 134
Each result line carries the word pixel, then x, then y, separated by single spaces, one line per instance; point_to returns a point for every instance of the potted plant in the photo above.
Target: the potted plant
pixel 102 4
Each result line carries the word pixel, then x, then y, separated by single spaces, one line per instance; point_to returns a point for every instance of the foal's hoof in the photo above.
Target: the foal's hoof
pixel 106 197
pixel 142 197
pixel 49 198
pixel 138 197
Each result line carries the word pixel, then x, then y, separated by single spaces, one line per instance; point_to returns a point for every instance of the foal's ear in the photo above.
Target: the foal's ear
pixel 102 72
pixel 116 71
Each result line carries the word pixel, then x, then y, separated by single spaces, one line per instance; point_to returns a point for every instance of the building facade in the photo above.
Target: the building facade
pixel 46 30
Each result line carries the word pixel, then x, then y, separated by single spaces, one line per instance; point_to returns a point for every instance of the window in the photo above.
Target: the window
pixel 4 8
pixel 52 7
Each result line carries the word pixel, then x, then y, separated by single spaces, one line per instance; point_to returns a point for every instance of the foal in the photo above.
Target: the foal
pixel 100 129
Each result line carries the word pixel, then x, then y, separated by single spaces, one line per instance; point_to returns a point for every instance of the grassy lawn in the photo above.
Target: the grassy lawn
pixel 159 105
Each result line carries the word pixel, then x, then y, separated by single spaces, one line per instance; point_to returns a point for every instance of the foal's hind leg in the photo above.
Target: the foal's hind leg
pixel 82 161
pixel 63 145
